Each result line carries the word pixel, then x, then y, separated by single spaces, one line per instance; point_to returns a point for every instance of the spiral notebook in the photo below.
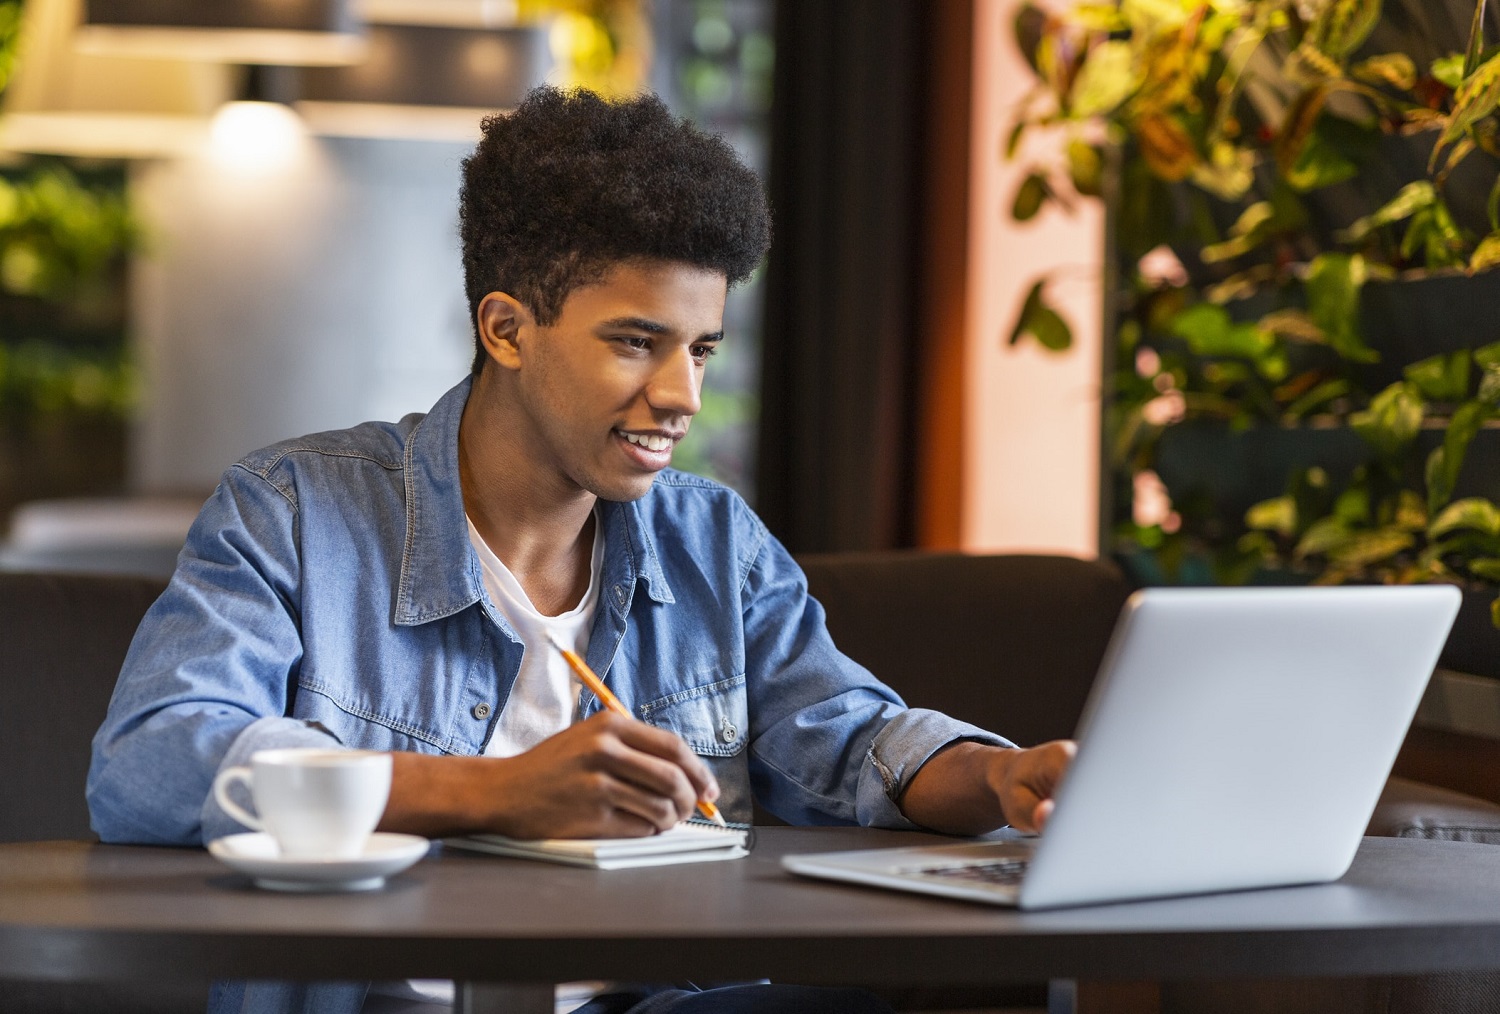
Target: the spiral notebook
pixel 688 842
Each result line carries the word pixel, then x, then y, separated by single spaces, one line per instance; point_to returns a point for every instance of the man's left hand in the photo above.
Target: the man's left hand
pixel 972 788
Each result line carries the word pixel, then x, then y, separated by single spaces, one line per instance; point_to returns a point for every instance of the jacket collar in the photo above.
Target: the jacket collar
pixel 440 572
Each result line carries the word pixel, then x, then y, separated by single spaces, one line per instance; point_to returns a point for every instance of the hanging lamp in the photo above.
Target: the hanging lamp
pixel 284 32
pixel 432 81
pixel 63 102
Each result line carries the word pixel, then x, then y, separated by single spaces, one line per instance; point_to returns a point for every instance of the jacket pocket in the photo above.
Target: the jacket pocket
pixel 712 719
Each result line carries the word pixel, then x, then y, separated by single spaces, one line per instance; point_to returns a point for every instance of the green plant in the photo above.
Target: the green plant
pixel 64 238
pixel 1279 156
pixel 63 243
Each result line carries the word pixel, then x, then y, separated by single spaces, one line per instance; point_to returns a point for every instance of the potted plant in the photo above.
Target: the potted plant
pixel 1304 366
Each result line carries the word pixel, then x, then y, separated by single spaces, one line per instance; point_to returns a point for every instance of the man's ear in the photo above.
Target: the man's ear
pixel 498 322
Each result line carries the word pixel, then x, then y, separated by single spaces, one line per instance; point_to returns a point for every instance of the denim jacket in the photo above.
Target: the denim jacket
pixel 328 594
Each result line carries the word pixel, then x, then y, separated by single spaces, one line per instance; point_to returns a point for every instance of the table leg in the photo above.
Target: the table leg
pixel 493 998
pixel 1069 996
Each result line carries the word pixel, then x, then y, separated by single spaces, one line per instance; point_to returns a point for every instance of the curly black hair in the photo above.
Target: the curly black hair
pixel 570 184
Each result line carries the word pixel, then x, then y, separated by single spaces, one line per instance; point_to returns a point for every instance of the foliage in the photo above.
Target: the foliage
pixel 1379 526
pixel 1279 156
pixel 10 33
pixel 64 237
pixel 602 45
pixel 63 243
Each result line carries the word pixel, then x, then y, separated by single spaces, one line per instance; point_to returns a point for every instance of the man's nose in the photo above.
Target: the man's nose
pixel 676 383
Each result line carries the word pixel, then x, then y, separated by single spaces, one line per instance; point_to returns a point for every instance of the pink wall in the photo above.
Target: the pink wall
pixel 1030 474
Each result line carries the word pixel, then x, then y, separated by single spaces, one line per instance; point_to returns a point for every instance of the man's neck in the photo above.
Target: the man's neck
pixel 544 536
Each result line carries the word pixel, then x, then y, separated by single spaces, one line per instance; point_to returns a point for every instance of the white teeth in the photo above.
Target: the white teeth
pixel 651 443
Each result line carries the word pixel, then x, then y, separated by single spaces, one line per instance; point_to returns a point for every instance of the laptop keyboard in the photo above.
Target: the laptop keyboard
pixel 1002 872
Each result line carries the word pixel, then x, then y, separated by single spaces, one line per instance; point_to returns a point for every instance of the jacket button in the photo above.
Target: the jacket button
pixel 728 731
pixel 481 710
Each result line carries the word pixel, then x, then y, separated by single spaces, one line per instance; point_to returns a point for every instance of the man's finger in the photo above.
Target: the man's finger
pixel 670 747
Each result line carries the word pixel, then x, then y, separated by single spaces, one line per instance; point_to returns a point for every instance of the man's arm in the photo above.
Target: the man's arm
pixel 205 682
pixel 607 777
pixel 971 788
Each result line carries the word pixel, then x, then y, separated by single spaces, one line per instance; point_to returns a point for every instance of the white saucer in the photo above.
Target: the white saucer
pixel 258 855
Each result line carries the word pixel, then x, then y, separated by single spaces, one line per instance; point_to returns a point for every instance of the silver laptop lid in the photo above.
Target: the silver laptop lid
pixel 1237 738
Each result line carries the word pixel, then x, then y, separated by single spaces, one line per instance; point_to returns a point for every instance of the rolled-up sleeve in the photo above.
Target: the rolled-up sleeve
pixel 208 677
pixel 831 744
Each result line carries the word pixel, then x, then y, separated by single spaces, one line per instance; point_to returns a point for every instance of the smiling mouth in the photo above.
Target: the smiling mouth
pixel 650 441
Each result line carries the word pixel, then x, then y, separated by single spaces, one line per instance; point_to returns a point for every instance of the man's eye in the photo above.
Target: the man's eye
pixel 702 353
pixel 636 341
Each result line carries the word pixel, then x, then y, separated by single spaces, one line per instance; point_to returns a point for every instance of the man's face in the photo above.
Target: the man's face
pixel 610 388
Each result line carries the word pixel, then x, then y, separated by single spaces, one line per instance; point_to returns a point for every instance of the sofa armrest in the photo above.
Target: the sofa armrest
pixel 1409 809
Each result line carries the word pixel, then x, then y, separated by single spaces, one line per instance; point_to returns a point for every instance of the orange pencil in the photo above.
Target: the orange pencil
pixel 609 700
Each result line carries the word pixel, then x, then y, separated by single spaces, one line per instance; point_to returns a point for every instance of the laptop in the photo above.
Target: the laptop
pixel 1234 738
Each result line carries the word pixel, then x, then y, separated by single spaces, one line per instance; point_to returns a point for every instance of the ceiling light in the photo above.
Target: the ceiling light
pixel 66 103
pixel 425 82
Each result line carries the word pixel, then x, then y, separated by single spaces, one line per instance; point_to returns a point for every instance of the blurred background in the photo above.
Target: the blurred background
pixel 222 228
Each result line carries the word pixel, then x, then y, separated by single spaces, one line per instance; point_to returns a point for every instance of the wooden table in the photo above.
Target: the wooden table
pixel 509 928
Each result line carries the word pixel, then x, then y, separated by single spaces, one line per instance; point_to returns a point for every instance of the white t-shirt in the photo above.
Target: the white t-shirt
pixel 543 702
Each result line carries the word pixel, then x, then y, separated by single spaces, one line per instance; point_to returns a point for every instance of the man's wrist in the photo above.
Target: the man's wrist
pixel 438 795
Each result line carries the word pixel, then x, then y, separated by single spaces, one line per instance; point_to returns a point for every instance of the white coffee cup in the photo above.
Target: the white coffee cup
pixel 316 803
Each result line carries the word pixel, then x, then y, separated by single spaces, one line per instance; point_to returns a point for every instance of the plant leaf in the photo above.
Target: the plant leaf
pixel 1443 377
pixel 1448 70
pixel 1353 506
pixel 1344 24
pixel 1298 125
pixel 1408 201
pixel 1030 196
pixel 1013 139
pixel 1392 420
pixel 1365 548
pixel 1041 321
pixel 1487 253
pixel 1474 99
pixel 1443 243
pixel 1394 69
pixel 1319 396
pixel 1487 567
pixel 1105 80
pixel 1474 513
pixel 1411 512
pixel 1086 166
pixel 1321 536
pixel 1476 39
pixel 1489 386
pixel 1029 27
pixel 1320 165
pixel 1228 173
pixel 1278 515
pixel 1293 324
pixel 1255 224
pixel 1166 146
pixel 1333 285
pixel 1487 356
pixel 1210 331
pixel 1445 463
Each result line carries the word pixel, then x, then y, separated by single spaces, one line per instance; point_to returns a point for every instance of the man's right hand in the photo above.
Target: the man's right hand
pixel 606 777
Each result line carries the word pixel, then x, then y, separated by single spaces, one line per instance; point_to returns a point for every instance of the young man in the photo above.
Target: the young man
pixel 393 586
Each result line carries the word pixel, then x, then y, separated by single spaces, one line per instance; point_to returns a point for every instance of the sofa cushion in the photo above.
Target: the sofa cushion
pixel 1409 809
pixel 65 636
pixel 1010 643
